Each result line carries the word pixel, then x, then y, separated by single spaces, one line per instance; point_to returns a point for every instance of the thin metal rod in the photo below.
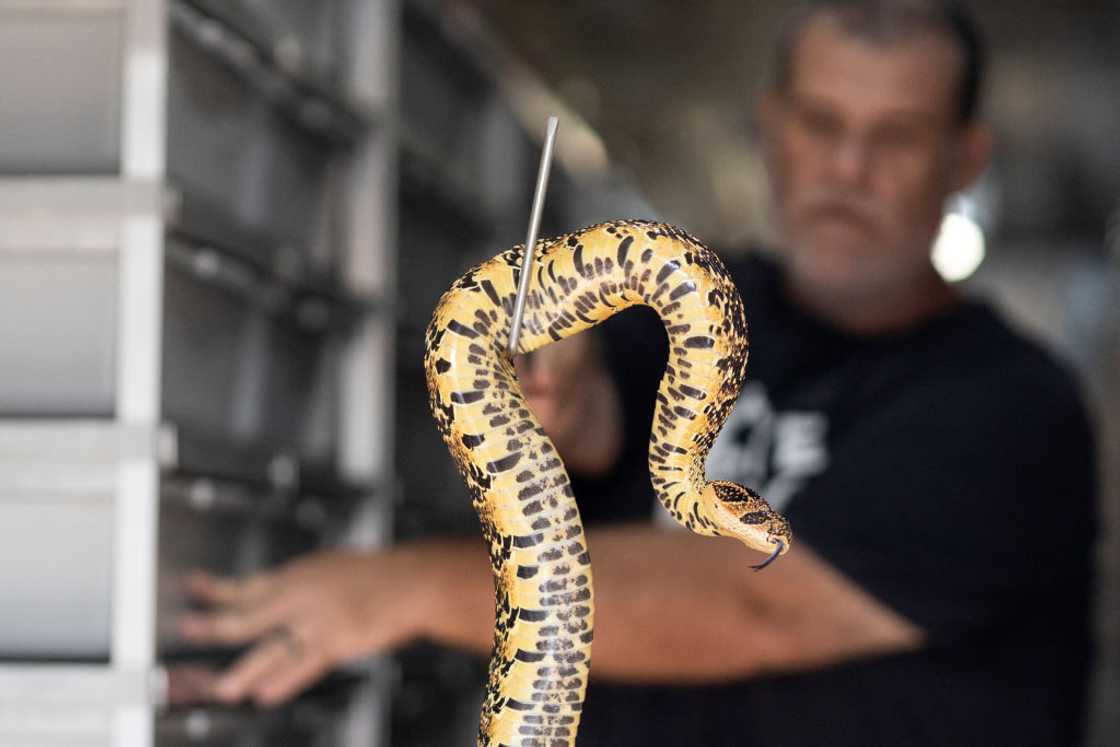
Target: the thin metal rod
pixel 531 239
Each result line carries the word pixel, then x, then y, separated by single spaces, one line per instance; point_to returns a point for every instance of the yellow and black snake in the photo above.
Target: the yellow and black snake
pixel 538 553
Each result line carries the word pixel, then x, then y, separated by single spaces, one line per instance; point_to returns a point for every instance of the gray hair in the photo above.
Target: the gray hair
pixel 888 21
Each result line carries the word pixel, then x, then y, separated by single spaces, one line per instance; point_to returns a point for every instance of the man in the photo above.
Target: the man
pixel 936 469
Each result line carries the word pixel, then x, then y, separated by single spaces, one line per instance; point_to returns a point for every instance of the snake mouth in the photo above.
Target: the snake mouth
pixel 773 556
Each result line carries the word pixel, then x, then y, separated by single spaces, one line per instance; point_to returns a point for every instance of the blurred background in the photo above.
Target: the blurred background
pixel 223 228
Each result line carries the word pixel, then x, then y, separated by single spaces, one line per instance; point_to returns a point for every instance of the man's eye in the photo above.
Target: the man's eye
pixel 818 123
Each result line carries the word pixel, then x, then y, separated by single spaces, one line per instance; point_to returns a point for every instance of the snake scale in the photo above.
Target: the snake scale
pixel 518 484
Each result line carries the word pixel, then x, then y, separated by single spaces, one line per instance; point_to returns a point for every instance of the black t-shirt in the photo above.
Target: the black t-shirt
pixel 948 470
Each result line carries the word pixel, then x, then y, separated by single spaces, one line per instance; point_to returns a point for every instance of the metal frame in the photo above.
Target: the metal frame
pixel 370 270
pixel 129 214
pixel 136 514
pixel 121 214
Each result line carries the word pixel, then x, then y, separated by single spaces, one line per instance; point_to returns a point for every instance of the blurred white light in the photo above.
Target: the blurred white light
pixel 959 248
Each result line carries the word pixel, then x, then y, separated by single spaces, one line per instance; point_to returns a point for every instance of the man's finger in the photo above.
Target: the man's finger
pixel 211 589
pixel 524 367
pixel 217 590
pixel 188 684
pixel 240 679
pixel 289 680
pixel 234 625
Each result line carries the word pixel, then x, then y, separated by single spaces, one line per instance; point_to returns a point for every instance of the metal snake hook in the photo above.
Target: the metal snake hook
pixel 531 239
pixel 773 556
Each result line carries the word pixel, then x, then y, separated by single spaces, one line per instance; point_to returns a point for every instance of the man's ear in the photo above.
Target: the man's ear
pixel 974 154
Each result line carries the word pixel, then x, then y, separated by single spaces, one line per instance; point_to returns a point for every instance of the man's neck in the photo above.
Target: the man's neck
pixel 889 309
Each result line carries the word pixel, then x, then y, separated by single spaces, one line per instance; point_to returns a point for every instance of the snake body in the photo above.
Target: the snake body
pixel 538 551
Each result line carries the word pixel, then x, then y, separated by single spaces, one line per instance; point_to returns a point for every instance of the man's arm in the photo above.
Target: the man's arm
pixel 671 607
pixel 676 607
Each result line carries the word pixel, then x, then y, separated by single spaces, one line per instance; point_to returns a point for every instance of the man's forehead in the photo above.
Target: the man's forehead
pixel 917 72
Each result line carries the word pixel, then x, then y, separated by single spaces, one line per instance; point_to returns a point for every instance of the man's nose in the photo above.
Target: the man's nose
pixel 851 162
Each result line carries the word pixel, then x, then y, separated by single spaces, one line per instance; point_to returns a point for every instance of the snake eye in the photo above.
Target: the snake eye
pixel 773 556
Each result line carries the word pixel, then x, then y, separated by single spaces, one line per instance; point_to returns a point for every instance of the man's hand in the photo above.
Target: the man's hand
pixel 571 392
pixel 321 610
pixel 310 615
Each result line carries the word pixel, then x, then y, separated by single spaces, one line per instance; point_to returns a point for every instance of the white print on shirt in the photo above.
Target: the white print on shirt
pixel 775 453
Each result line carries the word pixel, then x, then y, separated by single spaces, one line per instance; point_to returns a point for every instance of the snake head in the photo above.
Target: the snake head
pixel 743 514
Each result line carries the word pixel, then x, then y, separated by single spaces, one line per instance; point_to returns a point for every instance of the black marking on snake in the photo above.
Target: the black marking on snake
pixel 682 290
pixel 459 329
pixel 466 398
pixel 577 258
pixel 699 342
pixel 527 540
pixel 532 615
pixel 666 270
pixel 529 492
pixel 493 294
pixel 505 463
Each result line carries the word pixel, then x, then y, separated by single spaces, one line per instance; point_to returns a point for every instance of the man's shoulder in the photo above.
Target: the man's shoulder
pixel 981 368
pixel 986 344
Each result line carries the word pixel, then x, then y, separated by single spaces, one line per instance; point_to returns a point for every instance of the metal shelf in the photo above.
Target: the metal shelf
pixel 50 683
pixel 60 456
pixel 31 219
pixel 312 104
pixel 73 457
pixel 310 719
pixel 314 305
pixel 255 464
pixel 71 213
pixel 50 703
pixel 209 496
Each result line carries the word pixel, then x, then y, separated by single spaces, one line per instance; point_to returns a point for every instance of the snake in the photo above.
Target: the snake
pixel 539 556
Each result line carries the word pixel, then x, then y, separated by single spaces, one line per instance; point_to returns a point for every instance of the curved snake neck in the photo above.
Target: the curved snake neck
pixel 518 484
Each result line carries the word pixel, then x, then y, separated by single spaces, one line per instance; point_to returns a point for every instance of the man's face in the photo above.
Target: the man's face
pixel 864 147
